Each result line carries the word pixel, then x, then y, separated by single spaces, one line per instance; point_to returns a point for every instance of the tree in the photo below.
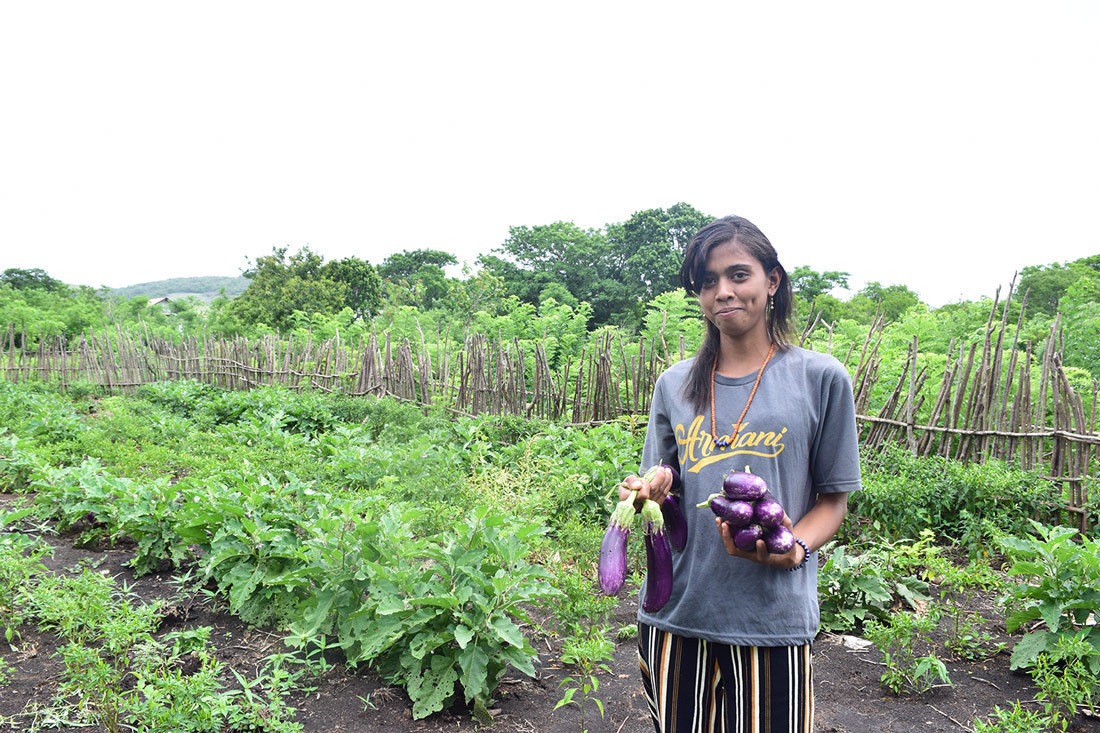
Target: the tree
pixel 894 299
pixel 362 285
pixel 651 246
pixel 1081 330
pixel 281 286
pixel 617 270
pixel 419 274
pixel 406 265
pixel 808 284
pixel 1045 285
pixel 579 259
pixel 32 279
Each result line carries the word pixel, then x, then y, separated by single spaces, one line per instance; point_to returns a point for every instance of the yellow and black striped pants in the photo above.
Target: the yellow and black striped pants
pixel 696 686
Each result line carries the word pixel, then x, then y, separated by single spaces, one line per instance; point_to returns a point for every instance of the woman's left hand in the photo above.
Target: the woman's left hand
pixel 789 560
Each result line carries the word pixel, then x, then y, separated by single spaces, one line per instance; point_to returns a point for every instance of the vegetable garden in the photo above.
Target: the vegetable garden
pixel 429 517
pixel 441 554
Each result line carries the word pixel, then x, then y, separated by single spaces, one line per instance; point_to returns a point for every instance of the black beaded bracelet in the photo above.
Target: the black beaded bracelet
pixel 805 557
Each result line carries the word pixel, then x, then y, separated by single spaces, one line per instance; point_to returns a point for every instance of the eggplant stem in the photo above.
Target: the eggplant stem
pixel 652 516
pixel 706 502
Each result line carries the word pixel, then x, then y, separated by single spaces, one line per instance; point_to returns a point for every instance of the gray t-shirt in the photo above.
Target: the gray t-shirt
pixel 800 436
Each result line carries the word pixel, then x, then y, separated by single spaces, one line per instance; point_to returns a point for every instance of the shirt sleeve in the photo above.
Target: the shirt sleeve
pixel 835 452
pixel 660 438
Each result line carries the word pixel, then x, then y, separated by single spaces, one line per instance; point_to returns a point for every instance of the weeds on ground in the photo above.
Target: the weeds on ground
pixel 899 640
pixel 588 652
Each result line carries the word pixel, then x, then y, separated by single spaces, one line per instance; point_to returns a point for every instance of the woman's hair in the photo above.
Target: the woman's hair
pixel 746 235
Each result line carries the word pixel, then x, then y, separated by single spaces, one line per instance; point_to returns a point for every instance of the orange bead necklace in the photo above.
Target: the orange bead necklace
pixel 720 443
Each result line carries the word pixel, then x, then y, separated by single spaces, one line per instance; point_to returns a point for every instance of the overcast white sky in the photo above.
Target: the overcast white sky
pixel 939 145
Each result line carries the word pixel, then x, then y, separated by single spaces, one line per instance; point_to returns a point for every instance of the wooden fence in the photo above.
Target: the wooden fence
pixel 985 405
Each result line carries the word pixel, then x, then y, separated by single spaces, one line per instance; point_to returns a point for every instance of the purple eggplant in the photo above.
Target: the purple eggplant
pixel 779 540
pixel 675 524
pixel 737 513
pixel 744 486
pixel 768 513
pixel 613 559
pixel 612 566
pixel 658 559
pixel 746 537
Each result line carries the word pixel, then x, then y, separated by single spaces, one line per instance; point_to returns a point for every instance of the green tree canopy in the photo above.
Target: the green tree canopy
pixel 32 279
pixel 651 244
pixel 1046 284
pixel 281 286
pixel 407 265
pixel 894 299
pixel 808 283
pixel 617 270
pixel 362 285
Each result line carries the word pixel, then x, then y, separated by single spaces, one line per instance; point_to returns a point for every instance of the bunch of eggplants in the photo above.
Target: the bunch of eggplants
pixel 665 529
pixel 752 513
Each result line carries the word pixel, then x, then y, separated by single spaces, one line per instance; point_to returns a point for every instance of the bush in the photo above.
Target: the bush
pixel 962 503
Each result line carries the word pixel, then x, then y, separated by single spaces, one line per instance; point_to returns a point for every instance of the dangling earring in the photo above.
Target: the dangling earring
pixel 771 304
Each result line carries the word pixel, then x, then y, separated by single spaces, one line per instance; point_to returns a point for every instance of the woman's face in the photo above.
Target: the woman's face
pixel 735 290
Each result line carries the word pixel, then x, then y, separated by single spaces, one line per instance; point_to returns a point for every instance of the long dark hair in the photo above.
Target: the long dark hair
pixel 746 234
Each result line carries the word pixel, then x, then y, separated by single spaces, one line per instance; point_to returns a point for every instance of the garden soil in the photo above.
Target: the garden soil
pixel 849 698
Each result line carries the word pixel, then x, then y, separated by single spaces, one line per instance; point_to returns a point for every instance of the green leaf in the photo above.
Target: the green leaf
pixel 463 634
pixel 475 676
pixel 390 605
pixel 1018 618
pixel 440 601
pixel 1051 611
pixel 507 630
pixel 567 698
pixel 432 689
pixel 1028 649
pixel 1026 567
pixel 521 659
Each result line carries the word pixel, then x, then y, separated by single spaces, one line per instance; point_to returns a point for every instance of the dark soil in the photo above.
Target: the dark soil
pixel 849 698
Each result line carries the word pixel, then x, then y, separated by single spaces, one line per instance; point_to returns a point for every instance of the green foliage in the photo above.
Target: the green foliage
pixel 855 588
pixel 32 279
pixel 1067 678
pixel 589 653
pixel 20 563
pixel 617 269
pixel 900 639
pixel 119 677
pixel 406 265
pixel 436 616
pixel 362 285
pixel 959 585
pixel 1046 284
pixel 281 286
pixel 959 502
pixel 1081 342
pixel 1017 719
pixel 808 284
pixel 670 318
pixel 653 242
pixel 1059 584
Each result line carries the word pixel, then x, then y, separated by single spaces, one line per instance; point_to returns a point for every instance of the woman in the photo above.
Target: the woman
pixel 730 651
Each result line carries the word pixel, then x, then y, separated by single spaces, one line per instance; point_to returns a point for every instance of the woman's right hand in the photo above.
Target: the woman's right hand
pixel 656 490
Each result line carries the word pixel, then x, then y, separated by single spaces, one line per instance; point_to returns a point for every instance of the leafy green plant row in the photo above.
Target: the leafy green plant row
pixel 118 674
pixel 881 589
pixel 438 616
pixel 318 552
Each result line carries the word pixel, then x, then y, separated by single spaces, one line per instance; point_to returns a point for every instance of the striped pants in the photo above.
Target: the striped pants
pixel 696 686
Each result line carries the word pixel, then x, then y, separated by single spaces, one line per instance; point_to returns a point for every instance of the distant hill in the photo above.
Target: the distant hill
pixel 201 288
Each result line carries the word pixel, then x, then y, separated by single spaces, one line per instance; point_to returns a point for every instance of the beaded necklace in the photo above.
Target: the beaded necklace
pixel 714 420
